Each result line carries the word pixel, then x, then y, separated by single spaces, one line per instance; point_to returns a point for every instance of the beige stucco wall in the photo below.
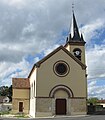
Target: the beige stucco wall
pixel 47 79
pixel 21 93
pixel 33 76
pixel 68 47
pixel 61 94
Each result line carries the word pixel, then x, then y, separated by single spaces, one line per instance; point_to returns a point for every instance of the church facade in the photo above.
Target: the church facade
pixel 57 84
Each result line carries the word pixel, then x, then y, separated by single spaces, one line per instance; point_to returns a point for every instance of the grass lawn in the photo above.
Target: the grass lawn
pixel 9 113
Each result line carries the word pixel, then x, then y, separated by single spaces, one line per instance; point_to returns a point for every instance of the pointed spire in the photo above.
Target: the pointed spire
pixel 67 40
pixel 74 29
pixel 74 35
pixel 82 39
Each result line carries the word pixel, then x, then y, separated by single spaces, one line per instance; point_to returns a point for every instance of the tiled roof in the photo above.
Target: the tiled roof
pixel 20 83
pixel 101 101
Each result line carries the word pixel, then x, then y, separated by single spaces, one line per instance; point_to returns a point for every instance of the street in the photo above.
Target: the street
pixel 94 117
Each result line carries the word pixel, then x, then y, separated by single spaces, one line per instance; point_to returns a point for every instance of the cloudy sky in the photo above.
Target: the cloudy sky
pixel 28 27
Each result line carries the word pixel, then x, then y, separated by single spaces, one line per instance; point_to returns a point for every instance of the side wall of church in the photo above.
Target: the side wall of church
pixel 33 93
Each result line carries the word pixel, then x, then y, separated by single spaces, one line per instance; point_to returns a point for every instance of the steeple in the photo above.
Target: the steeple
pixel 74 35
pixel 75 43
pixel 74 29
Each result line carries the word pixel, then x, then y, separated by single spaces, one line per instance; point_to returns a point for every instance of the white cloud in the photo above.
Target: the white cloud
pixel 96 62
pixel 9 70
pixel 95 90
pixel 49 50
pixel 39 24
pixel 16 3
pixel 90 30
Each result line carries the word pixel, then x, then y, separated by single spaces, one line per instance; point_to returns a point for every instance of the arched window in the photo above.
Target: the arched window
pixel 34 88
pixel 31 91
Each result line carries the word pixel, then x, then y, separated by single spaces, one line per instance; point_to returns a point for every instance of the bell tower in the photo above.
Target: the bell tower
pixel 75 42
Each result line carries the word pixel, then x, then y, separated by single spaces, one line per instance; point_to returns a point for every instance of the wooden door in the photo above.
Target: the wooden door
pixel 20 106
pixel 60 106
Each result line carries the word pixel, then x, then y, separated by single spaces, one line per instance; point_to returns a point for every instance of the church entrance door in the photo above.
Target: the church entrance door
pixel 60 106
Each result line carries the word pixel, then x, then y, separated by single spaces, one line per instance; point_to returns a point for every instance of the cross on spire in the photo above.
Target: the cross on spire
pixel 73 7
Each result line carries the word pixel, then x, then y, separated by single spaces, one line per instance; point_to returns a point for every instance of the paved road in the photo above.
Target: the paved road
pixel 95 117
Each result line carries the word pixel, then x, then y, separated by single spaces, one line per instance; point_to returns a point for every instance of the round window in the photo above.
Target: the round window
pixel 61 68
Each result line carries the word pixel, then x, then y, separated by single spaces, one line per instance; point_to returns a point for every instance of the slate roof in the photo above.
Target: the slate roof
pixel 20 83
pixel 74 37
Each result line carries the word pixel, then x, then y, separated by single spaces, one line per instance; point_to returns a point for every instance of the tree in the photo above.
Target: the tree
pixel 93 101
pixel 10 93
pixel 6 91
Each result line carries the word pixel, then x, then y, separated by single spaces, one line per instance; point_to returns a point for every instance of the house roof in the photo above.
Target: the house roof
pixel 52 53
pixel 20 83
pixel 1 98
pixel 101 101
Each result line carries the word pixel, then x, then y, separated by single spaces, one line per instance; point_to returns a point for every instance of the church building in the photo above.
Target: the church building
pixel 57 84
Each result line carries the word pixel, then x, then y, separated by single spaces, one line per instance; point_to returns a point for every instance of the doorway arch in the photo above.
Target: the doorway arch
pixel 61 95
pixel 61 87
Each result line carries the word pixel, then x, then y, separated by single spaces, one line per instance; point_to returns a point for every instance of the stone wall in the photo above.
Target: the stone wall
pixel 43 104
pixel 78 106
pixel 15 105
pixel 43 107
pixel 46 106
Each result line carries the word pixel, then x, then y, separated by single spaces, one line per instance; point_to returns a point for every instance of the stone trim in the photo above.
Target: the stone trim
pixel 61 87
pixel 21 99
pixel 20 88
pixel 63 62
pixel 53 97
pixel 79 98
pixel 75 43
